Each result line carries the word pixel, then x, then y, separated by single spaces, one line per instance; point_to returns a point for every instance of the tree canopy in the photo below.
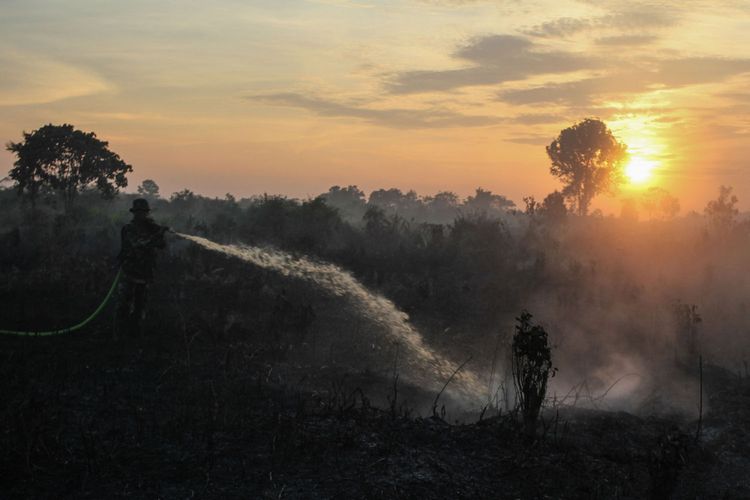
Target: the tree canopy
pixel 149 189
pixel 722 211
pixel 61 159
pixel 588 159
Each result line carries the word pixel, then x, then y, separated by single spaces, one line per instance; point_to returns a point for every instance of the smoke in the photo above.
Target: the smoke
pixel 631 307
pixel 607 291
pixel 427 368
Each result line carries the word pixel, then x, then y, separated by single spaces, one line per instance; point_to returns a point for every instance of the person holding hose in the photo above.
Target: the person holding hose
pixel 141 238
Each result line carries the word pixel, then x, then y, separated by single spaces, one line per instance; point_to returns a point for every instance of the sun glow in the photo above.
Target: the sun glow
pixel 646 149
pixel 638 169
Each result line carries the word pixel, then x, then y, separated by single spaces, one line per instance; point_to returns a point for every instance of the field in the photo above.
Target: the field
pixel 250 384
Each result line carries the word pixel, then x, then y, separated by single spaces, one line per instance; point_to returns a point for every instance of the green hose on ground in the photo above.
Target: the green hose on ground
pixel 74 327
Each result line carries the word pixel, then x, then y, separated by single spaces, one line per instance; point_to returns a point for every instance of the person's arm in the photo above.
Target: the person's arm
pixel 160 241
pixel 157 240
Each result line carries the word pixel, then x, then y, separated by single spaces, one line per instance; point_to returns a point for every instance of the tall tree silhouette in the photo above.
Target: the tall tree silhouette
pixel 588 159
pixel 59 158
pixel 722 211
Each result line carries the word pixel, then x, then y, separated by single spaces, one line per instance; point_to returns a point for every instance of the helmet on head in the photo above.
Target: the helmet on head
pixel 140 205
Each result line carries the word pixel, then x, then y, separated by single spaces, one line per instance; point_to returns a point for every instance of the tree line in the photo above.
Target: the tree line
pixel 62 161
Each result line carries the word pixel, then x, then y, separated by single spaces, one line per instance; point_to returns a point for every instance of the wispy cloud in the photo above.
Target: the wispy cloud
pixel 537 119
pixel 391 117
pixel 565 26
pixel 495 59
pixel 632 18
pixel 668 73
pixel 531 140
pixel 627 40
pixel 33 79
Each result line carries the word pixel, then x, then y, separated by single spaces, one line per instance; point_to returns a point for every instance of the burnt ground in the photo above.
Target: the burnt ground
pixel 200 416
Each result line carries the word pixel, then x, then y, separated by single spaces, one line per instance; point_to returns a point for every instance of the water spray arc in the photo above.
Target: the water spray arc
pixel 337 282
pixel 373 307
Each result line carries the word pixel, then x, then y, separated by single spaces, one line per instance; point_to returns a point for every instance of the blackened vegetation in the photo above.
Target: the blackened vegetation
pixel 250 385
pixel 532 364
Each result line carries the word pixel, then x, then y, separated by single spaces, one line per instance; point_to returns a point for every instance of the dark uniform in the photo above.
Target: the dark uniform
pixel 141 238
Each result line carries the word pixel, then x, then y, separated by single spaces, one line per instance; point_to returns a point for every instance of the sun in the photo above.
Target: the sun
pixel 647 149
pixel 639 169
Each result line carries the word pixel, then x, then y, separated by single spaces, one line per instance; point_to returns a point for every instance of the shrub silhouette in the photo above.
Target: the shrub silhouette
pixel 532 364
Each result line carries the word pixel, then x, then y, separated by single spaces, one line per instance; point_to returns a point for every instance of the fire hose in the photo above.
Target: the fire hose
pixel 74 327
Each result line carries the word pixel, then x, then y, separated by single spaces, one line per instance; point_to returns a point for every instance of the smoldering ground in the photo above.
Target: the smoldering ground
pixel 251 373
pixel 613 295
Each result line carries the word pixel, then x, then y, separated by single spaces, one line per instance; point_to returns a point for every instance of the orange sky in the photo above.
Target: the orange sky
pixel 292 97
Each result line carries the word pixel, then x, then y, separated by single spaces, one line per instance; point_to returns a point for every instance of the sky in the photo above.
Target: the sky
pixel 292 97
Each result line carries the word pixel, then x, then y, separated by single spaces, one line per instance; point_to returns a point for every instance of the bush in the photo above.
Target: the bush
pixel 532 364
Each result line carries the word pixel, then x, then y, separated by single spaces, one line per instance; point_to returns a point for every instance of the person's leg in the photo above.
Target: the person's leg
pixel 139 308
pixel 125 291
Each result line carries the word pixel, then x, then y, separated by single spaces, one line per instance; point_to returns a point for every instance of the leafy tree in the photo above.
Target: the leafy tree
pixel 669 206
pixel 531 205
pixel 588 159
pixel 149 189
pixel 553 207
pixel 64 160
pixel 484 201
pixel 350 200
pixel 386 199
pixel 315 223
pixel 443 207
pixel 379 224
pixel 183 197
pixel 657 200
pixel 722 211
pixel 393 200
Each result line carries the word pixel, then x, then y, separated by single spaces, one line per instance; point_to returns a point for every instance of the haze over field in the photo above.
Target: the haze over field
pixel 293 97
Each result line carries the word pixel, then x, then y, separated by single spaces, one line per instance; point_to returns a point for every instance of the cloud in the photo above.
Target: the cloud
pixel 533 140
pixel 393 117
pixel 627 40
pixel 629 19
pixel 641 17
pixel 577 93
pixel 31 79
pixel 692 70
pixel 565 26
pixel 736 96
pixel 668 73
pixel 537 119
pixel 497 59
pixel 454 3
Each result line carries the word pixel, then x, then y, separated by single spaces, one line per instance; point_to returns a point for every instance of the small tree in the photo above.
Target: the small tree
pixel 722 211
pixel 64 160
pixel 657 200
pixel 349 200
pixel 149 189
pixel 688 319
pixel 553 207
pixel 485 201
pixel 531 205
pixel 588 159
pixel 443 207
pixel 532 364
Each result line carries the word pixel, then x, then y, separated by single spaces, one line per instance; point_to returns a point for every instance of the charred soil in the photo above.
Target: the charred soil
pixel 205 416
